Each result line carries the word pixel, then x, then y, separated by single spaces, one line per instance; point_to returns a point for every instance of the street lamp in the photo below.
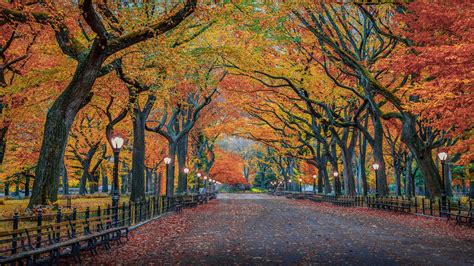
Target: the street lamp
pixel 167 162
pixel 314 184
pixel 186 172
pixel 376 167
pixel 301 185
pixel 206 189
pixel 198 182
pixel 117 143
pixel 442 157
pixel 335 174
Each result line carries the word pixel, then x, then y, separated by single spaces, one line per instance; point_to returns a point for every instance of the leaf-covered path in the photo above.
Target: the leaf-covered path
pixel 260 229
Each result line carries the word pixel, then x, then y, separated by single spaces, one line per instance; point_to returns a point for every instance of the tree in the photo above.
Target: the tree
pixel 108 41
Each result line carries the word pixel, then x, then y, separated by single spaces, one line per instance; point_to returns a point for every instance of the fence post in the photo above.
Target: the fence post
pixel 87 214
pixel 147 212
pixel 124 209
pixel 108 217
pixel 39 223
pixel 130 213
pixel 74 217
pixel 449 206
pixel 98 218
pixel 16 219
pixel 439 207
pixel 431 207
pixel 416 205
pixel 140 218
pixel 423 205
pixel 58 221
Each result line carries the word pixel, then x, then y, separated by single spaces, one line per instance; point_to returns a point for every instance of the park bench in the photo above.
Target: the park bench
pixel 67 238
pixel 316 197
pixel 462 215
pixel 189 201
pixel 345 201
pixel 389 203
pixel 177 204
pixel 279 193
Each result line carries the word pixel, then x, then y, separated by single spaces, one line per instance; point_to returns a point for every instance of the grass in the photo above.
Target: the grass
pixel 10 206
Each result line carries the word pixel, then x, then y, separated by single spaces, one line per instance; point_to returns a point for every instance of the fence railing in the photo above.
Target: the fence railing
pixel 418 205
pixel 126 214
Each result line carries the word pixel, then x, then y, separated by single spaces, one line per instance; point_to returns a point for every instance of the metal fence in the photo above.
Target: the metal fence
pixel 127 214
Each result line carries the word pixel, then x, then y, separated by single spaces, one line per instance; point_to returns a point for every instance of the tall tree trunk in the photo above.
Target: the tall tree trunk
pixel 398 182
pixel 65 179
pixel 157 183
pixel 83 183
pixel 171 169
pixel 347 159
pixel 377 150
pixel 149 179
pixel 93 183
pixel 422 154
pixel 410 185
pixel 27 185
pixel 362 156
pixel 396 170
pixel 105 183
pixel 320 181
pixel 124 184
pixel 449 180
pixel 337 184
pixel 182 151
pixel 7 188
pixel 58 124
pixel 17 186
pixel 3 140
pixel 138 157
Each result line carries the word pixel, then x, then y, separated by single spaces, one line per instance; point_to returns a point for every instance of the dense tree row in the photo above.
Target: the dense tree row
pixel 325 88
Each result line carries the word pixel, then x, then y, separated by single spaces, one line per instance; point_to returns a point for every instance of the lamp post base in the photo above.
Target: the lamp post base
pixel 443 204
pixel 115 206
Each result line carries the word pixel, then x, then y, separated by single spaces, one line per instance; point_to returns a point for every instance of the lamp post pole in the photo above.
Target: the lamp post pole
pixel 314 184
pixel 167 163
pixel 186 172
pixel 336 182
pixel 117 143
pixel 376 168
pixel 115 193
pixel 301 185
pixel 198 182
pixel 443 156
pixel 205 187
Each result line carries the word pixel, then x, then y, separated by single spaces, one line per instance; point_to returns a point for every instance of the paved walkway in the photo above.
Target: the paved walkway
pixel 262 229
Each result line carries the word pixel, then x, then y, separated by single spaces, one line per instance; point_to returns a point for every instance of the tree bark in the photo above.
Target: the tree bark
pixel 182 151
pixel 148 179
pixel 3 142
pixel 105 184
pixel 377 150
pixel 83 183
pixel 93 183
pixel 448 181
pixel 171 169
pixel 27 185
pixel 422 155
pixel 65 179
pixel 138 156
pixel 7 189
pixel 362 155
pixel 58 124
